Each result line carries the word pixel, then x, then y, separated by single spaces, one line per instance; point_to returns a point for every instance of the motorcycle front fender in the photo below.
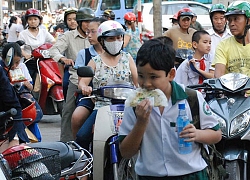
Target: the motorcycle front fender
pixel 56 93
pixel 102 132
pixel 235 154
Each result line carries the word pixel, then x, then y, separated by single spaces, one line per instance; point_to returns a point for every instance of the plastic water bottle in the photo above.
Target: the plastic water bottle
pixel 182 121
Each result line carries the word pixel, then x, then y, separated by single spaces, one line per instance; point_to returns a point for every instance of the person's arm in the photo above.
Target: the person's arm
pixel 126 40
pixel 207 75
pixel 210 132
pixel 220 70
pixel 83 82
pixel 131 143
pixel 220 60
pixel 133 70
pixel 204 136
pixel 59 48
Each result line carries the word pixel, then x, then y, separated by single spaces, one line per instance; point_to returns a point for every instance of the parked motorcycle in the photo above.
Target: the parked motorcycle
pixel 49 82
pixel 43 160
pixel 108 163
pixel 228 99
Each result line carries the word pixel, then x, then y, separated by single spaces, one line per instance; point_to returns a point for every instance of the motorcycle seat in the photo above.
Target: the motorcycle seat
pixel 67 154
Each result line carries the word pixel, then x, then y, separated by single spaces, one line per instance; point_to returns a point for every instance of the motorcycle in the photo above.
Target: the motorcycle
pixel 145 36
pixel 42 160
pixel 228 99
pixel 48 81
pixel 30 108
pixel 181 55
pixel 108 163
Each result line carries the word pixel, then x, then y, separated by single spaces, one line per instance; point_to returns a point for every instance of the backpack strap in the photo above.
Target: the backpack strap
pixel 87 56
pixel 194 106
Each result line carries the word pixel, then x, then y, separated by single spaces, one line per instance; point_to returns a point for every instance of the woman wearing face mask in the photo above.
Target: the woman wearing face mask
pixel 112 65
pixel 33 36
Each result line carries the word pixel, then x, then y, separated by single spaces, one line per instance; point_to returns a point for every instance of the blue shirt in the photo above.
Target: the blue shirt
pixel 80 59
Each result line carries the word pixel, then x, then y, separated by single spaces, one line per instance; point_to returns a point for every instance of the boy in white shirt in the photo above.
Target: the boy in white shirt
pixel 197 68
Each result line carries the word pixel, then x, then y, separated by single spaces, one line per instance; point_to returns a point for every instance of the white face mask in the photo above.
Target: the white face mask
pixel 113 47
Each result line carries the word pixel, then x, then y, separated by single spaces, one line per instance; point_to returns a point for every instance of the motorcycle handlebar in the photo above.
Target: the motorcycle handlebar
pixel 11 112
pixel 198 86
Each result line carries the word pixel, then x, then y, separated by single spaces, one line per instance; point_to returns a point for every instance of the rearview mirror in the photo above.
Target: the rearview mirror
pixel 9 57
pixel 20 42
pixel 85 71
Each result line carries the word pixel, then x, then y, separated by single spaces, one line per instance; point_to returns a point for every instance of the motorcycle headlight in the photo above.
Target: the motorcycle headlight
pixel 117 93
pixel 240 123
pixel 45 53
pixel 222 123
pixel 233 81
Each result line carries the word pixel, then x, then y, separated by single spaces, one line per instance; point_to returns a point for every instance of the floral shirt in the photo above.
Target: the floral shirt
pixel 134 43
pixel 105 75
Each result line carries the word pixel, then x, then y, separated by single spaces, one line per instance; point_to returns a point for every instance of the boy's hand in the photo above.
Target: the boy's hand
pixel 189 132
pixel 28 85
pixel 142 111
pixel 193 62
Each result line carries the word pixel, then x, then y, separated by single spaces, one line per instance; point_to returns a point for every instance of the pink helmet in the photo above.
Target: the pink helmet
pixel 32 12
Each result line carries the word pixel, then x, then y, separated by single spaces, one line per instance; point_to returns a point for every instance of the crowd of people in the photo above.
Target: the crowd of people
pixel 116 53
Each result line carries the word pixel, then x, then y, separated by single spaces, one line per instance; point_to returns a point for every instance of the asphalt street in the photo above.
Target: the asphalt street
pixel 50 128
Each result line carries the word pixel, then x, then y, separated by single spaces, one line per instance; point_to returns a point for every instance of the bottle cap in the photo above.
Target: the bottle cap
pixel 181 106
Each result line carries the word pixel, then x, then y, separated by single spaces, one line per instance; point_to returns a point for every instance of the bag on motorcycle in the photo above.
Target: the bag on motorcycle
pixel 213 158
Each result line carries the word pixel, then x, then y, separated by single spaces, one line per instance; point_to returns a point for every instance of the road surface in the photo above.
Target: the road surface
pixel 50 128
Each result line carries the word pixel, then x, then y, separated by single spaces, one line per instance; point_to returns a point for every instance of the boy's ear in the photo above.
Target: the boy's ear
pixel 171 74
pixel 194 44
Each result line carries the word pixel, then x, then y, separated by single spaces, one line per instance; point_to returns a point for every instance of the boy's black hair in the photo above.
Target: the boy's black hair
pixel 197 35
pixel 60 26
pixel 159 55
pixel 165 40
pixel 17 50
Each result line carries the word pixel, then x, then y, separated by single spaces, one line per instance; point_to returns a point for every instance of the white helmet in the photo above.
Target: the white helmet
pixel 109 28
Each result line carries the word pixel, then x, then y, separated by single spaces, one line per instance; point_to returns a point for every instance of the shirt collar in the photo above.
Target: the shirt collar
pixel 226 32
pixel 177 93
pixel 92 51
pixel 76 34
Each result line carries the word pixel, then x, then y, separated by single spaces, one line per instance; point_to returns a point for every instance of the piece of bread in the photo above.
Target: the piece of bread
pixel 157 97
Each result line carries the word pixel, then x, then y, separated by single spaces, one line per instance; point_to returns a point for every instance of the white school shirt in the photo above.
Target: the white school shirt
pixel 185 75
pixel 158 155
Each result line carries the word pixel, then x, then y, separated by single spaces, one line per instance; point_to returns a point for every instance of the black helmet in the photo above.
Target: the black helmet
pixel 69 11
pixel 109 14
pixel 85 14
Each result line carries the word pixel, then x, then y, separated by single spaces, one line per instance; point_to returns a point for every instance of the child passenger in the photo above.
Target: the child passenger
pixel 194 71
pixel 147 129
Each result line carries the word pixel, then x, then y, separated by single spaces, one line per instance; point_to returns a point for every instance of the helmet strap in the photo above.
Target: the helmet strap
pixel 34 28
pixel 217 31
pixel 247 27
pixel 80 27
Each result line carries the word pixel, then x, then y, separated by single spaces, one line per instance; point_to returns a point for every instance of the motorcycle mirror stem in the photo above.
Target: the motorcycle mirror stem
pixel 85 71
